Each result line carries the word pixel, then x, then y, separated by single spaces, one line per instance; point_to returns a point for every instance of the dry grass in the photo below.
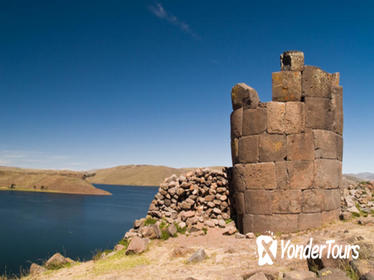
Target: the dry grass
pixel 46 181
pixel 137 175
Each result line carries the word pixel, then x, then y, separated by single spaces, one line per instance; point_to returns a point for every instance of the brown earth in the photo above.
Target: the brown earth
pixel 64 181
pixel 137 175
pixel 228 257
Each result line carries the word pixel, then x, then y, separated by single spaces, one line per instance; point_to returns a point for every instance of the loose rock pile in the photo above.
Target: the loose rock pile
pixel 357 199
pixel 192 202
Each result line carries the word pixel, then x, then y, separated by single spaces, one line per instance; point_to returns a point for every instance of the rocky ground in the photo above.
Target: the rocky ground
pixel 188 234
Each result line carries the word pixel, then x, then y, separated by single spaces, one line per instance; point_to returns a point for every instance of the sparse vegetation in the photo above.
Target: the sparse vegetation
pixel 150 221
pixel 180 230
pixel 351 273
pixel 118 261
pixel 228 221
pixel 124 242
pixel 99 253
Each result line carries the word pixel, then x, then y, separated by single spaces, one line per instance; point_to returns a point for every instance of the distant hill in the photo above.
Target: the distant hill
pixel 363 176
pixel 70 182
pixel 136 175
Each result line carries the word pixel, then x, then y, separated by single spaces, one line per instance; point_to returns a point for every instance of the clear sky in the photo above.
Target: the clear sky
pixel 91 84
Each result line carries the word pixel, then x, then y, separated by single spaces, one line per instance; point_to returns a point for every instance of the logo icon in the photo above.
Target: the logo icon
pixel 266 249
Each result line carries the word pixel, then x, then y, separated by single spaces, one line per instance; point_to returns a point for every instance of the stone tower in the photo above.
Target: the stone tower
pixel 287 153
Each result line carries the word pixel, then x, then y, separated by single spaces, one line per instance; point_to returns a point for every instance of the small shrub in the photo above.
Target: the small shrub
pixel 124 242
pixel 228 221
pixel 205 230
pixel 150 221
pixel 165 235
pixel 163 224
pixel 355 215
pixel 100 253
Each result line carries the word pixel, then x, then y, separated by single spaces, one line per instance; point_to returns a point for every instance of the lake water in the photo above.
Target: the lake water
pixel 33 226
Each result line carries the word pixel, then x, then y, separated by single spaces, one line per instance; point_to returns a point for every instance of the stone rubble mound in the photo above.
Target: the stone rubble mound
pixel 357 199
pixel 192 202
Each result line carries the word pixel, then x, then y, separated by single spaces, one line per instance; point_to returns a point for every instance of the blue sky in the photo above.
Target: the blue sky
pixel 91 84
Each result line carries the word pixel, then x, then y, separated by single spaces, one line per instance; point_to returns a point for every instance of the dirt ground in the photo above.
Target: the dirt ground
pixel 227 256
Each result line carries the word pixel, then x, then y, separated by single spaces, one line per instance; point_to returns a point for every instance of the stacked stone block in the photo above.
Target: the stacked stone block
pixel 287 153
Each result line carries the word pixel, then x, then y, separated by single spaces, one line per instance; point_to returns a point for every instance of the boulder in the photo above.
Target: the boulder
pixel 56 261
pixel 198 256
pixel 36 269
pixel 172 229
pixel 137 245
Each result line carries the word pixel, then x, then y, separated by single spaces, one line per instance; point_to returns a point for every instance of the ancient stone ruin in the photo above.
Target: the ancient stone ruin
pixel 287 153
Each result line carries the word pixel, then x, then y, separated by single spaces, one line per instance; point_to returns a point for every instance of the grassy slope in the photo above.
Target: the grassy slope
pixel 52 181
pixel 136 175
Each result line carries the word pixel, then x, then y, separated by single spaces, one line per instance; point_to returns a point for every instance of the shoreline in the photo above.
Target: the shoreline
pixel 106 193
pixel 117 185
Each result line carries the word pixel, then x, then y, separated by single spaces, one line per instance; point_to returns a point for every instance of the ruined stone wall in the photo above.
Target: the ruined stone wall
pixel 287 153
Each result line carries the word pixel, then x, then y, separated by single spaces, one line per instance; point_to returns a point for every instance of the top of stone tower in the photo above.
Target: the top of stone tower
pixel 292 61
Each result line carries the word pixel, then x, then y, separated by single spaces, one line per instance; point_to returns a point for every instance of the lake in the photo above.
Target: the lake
pixel 36 225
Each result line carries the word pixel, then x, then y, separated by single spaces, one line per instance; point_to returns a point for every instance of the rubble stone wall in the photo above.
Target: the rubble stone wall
pixel 287 153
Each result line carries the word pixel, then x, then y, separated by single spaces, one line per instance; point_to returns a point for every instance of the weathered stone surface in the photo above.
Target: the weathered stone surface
pixel 281 174
pixel 275 117
pixel 36 269
pixel 327 173
pixel 244 96
pixel 258 201
pixel 318 114
pixel 239 203
pixel 236 120
pixel 331 199
pixel 249 149
pixel 235 150
pixel 286 86
pixel 247 223
pixel 238 182
pixel 137 245
pixel 56 261
pixel 294 152
pixel 337 109
pixel 254 121
pixel 294 119
pixel 198 256
pixel 286 201
pixel 330 216
pixel 257 175
pixel 275 223
pixel 292 61
pixel 309 220
pixel 272 147
pixel 312 200
pixel 138 223
pixel 316 82
pixel 327 144
pixel 300 146
pixel 339 147
pixel 172 229
pixel 300 174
